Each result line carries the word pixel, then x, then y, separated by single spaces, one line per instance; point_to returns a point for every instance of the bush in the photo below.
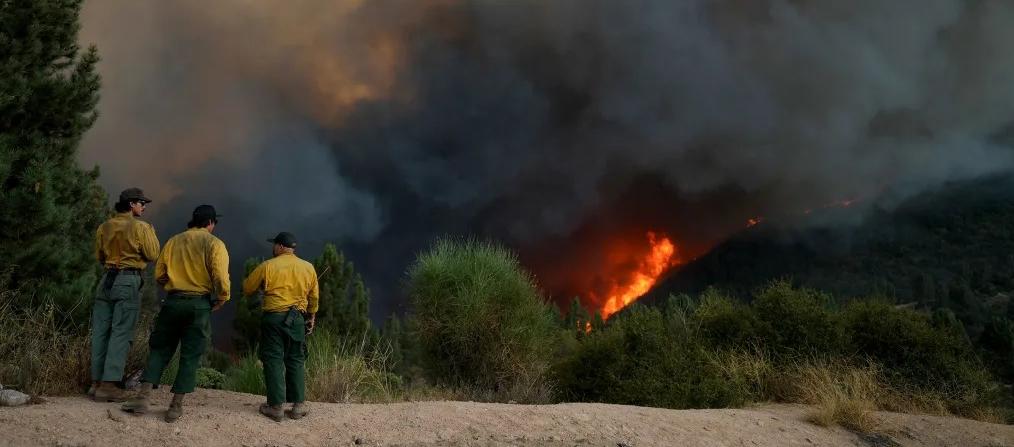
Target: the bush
pixel 480 321
pixel 639 359
pixel 725 323
pixel 210 378
pixel 795 322
pixel 917 355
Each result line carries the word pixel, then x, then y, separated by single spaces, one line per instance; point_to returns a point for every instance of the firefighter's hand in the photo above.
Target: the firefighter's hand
pixel 218 305
pixel 310 323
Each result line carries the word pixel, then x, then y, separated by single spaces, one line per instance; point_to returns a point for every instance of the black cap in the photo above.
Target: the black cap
pixel 203 213
pixel 284 239
pixel 133 195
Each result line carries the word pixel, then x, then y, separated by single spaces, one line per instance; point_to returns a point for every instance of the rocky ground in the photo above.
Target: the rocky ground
pixel 226 418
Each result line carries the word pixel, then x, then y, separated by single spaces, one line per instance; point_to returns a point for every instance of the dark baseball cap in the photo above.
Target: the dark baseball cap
pixel 205 212
pixel 284 239
pixel 133 195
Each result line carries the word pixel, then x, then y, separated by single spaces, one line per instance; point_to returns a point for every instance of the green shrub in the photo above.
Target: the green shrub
pixel 915 353
pixel 210 378
pixel 480 321
pixel 640 359
pixel 795 322
pixel 725 323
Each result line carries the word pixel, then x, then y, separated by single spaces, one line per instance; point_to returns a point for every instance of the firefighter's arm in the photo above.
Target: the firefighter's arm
pixel 161 266
pixel 254 281
pixel 149 242
pixel 313 298
pixel 220 273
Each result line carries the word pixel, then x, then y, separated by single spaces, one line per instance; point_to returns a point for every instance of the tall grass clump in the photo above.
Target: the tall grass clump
pixel 246 376
pixel 36 355
pixel 344 369
pixel 841 393
pixel 480 321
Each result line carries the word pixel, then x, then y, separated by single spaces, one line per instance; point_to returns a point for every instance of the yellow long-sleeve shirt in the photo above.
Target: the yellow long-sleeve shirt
pixel 196 262
pixel 124 242
pixel 287 281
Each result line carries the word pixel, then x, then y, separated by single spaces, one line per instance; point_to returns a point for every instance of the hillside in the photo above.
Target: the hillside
pixel 952 248
pixel 225 418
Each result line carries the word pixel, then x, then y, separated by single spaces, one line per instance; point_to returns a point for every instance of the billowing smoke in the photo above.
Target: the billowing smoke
pixel 551 125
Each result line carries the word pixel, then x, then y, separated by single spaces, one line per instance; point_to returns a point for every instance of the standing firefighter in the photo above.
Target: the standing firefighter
pixel 290 291
pixel 124 245
pixel 194 269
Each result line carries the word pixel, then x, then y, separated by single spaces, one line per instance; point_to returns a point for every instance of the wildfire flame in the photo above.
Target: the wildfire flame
pixel 660 258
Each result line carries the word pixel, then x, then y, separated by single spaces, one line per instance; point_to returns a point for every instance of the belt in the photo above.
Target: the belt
pixel 189 296
pixel 127 271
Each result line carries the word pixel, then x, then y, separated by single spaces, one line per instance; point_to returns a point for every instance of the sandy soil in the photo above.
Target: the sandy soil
pixel 225 418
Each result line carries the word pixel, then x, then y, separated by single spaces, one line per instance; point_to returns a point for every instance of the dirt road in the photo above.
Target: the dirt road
pixel 226 418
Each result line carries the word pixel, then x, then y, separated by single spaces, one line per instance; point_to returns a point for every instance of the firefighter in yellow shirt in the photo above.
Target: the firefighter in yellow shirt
pixel 291 294
pixel 124 245
pixel 194 270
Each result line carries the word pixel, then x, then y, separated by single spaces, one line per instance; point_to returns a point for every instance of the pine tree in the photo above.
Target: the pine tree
pixel 49 207
pixel 247 322
pixel 344 298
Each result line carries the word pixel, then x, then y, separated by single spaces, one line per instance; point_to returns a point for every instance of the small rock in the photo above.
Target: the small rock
pixel 359 441
pixel 12 398
pixel 114 415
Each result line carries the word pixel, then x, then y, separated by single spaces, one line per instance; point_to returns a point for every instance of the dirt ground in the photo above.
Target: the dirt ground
pixel 226 418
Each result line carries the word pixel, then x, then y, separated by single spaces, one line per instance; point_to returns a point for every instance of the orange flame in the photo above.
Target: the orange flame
pixel 662 256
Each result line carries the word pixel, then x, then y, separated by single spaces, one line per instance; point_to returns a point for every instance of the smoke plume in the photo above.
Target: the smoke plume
pixel 549 125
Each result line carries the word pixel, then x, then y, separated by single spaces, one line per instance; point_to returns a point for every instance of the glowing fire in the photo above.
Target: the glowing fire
pixel 845 203
pixel 660 258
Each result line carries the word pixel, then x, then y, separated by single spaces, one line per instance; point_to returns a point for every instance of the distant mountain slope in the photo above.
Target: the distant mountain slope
pixel 953 248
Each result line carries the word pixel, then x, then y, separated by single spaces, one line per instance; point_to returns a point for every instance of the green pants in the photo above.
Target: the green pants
pixel 114 317
pixel 283 353
pixel 183 321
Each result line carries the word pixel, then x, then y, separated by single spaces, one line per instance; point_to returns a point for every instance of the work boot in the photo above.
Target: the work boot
pixel 107 392
pixel 175 408
pixel 139 404
pixel 273 412
pixel 298 411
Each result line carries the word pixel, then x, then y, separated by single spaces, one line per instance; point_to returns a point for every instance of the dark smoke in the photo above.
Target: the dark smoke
pixel 547 124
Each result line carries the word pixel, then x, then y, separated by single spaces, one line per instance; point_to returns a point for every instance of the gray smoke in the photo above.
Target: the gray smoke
pixel 381 124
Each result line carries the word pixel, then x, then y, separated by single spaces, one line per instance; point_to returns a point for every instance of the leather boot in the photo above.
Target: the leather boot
pixel 139 404
pixel 175 408
pixel 298 410
pixel 107 392
pixel 273 411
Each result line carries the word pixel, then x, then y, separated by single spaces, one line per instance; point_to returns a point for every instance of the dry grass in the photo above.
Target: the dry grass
pixel 843 394
pixel 39 358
